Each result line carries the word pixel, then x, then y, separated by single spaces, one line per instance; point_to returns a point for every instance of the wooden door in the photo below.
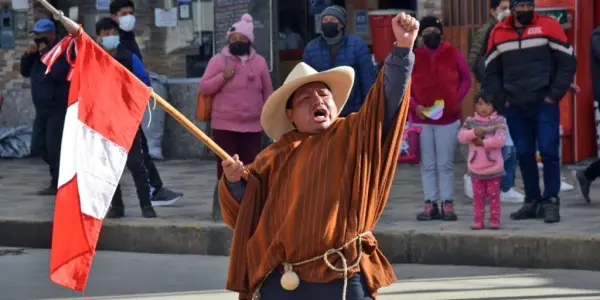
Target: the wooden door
pixel 462 18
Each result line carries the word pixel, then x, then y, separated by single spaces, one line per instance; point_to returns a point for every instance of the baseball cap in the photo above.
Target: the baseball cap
pixel 43 25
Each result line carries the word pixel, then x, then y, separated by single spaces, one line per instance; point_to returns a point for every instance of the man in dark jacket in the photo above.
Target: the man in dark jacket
pixel 107 33
pixel 50 97
pixel 334 48
pixel 587 176
pixel 123 12
pixel 529 68
pixel 499 10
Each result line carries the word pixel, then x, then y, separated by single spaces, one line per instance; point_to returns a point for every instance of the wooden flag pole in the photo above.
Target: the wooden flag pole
pixel 74 28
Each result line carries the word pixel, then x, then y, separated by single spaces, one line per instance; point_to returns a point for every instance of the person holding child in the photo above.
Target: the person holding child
pixel 485 133
pixel 440 73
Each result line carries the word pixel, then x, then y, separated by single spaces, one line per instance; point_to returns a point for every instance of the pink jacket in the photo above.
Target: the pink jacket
pixel 484 162
pixel 237 102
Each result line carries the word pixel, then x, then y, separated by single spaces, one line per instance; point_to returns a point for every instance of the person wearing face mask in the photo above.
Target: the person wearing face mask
pixel 50 95
pixel 499 10
pixel 440 73
pixel 239 81
pixel 334 48
pixel 123 12
pixel 107 36
pixel 529 67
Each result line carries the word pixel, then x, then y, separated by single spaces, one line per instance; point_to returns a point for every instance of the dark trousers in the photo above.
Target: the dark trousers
pixel 137 166
pixel 153 175
pixel 541 125
pixel 245 144
pixel 593 171
pixel 272 289
pixel 46 140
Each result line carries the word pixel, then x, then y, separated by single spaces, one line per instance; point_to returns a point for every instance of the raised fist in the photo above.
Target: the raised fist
pixel 406 29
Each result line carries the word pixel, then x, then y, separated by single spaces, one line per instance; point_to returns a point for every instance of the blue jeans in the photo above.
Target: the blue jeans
pixel 541 125
pixel 509 154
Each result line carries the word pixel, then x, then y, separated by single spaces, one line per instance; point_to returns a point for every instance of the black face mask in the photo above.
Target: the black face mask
pixel 329 29
pixel 524 17
pixel 42 40
pixel 432 40
pixel 239 48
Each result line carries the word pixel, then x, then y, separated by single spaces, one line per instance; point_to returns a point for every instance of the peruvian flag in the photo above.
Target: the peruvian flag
pixel 106 104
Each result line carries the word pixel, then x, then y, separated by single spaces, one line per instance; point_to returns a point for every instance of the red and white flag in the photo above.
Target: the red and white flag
pixel 52 55
pixel 106 105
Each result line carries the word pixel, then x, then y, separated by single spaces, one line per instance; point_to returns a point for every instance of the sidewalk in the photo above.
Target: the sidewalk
pixel 186 227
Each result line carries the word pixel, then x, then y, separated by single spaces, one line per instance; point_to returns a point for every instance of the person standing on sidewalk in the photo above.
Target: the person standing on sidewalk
pixel 440 72
pixel 312 198
pixel 50 94
pixel 336 47
pixel 485 133
pixel 499 10
pixel 107 35
pixel 529 67
pixel 239 81
pixel 122 11
pixel 584 178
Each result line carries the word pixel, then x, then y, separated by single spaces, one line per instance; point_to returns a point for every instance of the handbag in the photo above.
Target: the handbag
pixel 204 102
pixel 410 149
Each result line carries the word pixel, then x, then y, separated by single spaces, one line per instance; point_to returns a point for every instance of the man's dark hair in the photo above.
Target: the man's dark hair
pixel 117 5
pixel 106 24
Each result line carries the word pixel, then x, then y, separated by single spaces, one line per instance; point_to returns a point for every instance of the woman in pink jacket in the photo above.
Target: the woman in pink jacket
pixel 238 79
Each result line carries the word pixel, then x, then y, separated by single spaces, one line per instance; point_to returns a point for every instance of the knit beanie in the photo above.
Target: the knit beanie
pixel 515 3
pixel 431 21
pixel 244 27
pixel 335 11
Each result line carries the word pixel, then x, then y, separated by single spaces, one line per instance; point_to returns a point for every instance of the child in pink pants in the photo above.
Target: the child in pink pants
pixel 485 135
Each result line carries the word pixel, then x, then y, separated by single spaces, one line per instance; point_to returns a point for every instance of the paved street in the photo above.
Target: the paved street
pixel 130 276
pixel 22 178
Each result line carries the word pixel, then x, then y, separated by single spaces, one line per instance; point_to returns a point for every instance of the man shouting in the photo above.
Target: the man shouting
pixel 302 219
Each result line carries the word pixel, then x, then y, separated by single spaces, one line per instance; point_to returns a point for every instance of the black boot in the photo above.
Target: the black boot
pixel 529 210
pixel 115 212
pixel 551 210
pixel 148 212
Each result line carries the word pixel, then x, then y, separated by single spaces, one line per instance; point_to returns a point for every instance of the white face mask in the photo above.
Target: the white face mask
pixel 127 23
pixel 503 14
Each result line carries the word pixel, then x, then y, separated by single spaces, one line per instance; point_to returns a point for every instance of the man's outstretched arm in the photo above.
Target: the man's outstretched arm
pixel 398 67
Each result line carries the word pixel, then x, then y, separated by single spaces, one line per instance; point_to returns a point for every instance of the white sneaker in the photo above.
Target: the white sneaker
pixel 512 196
pixel 468 186
pixel 565 187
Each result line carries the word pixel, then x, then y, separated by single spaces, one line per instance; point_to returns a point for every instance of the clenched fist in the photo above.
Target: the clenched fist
pixel 406 30
pixel 233 169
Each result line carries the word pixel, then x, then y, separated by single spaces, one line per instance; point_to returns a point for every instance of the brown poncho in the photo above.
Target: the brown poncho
pixel 310 193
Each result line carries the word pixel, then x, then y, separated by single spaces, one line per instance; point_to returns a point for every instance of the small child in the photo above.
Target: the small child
pixel 485 135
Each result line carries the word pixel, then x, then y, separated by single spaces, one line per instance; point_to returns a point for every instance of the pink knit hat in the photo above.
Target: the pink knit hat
pixel 244 26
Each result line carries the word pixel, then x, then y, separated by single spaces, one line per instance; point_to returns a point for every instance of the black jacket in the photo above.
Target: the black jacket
pixel 525 66
pixel 128 41
pixel 595 62
pixel 50 92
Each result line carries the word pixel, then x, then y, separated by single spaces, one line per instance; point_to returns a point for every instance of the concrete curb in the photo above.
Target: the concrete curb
pixel 484 248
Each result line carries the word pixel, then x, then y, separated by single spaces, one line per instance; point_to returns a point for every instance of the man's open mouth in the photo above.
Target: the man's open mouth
pixel 320 114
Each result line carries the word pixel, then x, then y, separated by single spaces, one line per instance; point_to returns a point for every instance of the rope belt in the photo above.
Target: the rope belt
pixel 288 267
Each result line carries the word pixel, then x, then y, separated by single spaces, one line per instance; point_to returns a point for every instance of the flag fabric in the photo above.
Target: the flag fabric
pixel 52 55
pixel 105 108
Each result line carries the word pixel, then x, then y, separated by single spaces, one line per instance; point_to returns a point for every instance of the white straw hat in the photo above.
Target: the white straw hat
pixel 274 119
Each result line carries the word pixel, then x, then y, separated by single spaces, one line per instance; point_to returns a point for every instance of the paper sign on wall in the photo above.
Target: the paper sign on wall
pixel 361 22
pixel 165 17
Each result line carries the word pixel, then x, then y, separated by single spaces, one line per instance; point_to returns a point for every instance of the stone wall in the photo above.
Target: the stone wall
pixel 178 142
